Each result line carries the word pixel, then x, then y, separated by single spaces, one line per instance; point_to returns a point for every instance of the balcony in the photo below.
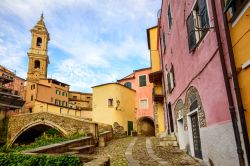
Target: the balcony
pixel 158 94
pixel 155 77
pixel 8 100
pixel 4 79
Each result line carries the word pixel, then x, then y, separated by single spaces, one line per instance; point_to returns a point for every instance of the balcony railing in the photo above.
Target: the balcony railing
pixel 155 77
pixel 8 100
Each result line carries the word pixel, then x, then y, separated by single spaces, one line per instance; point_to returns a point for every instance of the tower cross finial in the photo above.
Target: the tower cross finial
pixel 42 16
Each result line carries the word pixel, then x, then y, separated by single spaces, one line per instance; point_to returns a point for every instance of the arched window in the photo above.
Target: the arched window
pixel 37 64
pixel 128 84
pixel 39 42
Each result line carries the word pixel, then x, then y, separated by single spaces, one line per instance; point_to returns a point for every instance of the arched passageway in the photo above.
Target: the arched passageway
pixel 28 136
pixel 146 126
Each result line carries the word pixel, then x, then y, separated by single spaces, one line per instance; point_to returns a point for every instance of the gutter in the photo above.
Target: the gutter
pixel 228 88
pixel 237 87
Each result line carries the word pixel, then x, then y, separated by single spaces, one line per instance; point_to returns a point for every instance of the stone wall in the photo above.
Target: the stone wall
pixel 65 124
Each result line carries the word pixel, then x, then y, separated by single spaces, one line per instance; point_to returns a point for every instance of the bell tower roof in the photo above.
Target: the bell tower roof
pixel 40 26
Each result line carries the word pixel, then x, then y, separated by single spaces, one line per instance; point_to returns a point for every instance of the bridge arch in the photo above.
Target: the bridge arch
pixel 146 126
pixel 37 123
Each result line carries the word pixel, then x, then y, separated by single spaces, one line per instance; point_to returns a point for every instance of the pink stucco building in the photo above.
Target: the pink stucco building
pixel 139 81
pixel 196 72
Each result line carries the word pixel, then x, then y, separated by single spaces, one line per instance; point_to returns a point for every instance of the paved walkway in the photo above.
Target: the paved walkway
pixel 151 154
pixel 143 151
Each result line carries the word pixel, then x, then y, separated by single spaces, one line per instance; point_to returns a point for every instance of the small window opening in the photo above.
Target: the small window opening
pixel 39 42
pixel 37 64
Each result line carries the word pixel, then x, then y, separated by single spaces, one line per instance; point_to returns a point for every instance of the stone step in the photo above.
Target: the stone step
pixel 169 143
pixel 85 148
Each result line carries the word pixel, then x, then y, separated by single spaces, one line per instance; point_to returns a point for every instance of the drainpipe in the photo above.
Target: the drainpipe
pixel 228 88
pixel 236 84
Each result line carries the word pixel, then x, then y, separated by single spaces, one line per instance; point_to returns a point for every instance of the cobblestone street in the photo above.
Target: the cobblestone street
pixel 137 151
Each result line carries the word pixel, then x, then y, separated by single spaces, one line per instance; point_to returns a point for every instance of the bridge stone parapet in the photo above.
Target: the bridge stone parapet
pixel 67 125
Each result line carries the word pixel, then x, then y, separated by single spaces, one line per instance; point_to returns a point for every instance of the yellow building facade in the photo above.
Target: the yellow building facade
pixel 112 103
pixel 239 26
pixel 156 78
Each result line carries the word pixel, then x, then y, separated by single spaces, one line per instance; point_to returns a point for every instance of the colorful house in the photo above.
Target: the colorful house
pixel 114 103
pixel 155 77
pixel 238 16
pixel 201 106
pixel 139 81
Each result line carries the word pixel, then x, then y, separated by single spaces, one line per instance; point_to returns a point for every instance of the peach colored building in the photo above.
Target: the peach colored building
pixel 139 81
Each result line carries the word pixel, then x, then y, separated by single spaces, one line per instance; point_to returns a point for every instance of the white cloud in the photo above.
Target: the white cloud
pixel 91 40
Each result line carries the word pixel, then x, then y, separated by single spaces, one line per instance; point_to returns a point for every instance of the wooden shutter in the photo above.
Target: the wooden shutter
pixel 172 78
pixel 203 13
pixel 169 82
pixel 191 31
pixel 169 17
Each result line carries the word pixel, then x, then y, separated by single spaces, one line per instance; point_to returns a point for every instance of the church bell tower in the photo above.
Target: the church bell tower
pixel 38 52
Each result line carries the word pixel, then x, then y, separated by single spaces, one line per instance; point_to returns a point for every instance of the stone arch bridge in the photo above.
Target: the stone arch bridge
pixel 66 125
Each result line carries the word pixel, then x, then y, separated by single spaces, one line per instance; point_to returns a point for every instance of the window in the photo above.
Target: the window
pixel 66 104
pixel 170 80
pixel 142 80
pixel 169 17
pixel 110 102
pixel 32 86
pixel 128 84
pixel 66 94
pixel 63 93
pixel 39 42
pixel 37 64
pixel 31 98
pixel 52 99
pixel 75 97
pixel 144 104
pixel 163 41
pixel 63 102
pixel 197 24
pixel 235 5
pixel 58 92
pixel 57 102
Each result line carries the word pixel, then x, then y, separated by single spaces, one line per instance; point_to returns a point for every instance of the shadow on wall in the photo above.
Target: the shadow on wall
pixel 146 127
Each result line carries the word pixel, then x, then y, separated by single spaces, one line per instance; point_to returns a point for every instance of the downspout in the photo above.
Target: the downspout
pixel 227 85
pixel 236 84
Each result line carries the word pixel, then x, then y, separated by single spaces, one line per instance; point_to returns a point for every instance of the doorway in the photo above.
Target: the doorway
pixel 130 127
pixel 170 118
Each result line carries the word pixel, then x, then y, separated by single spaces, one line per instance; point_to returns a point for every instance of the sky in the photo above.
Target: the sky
pixel 91 41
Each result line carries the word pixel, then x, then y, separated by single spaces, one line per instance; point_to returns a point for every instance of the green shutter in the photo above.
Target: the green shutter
pixel 142 81
pixel 191 32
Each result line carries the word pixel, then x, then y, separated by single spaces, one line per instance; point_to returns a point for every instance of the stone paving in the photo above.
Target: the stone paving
pixel 144 151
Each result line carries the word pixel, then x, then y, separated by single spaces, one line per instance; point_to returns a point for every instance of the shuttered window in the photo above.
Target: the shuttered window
pixel 197 24
pixel 142 80
pixel 170 80
pixel 163 41
pixel 144 104
pixel 169 17
pixel 204 20
pixel 191 32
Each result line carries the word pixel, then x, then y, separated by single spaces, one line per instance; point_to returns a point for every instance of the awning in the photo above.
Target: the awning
pixel 228 5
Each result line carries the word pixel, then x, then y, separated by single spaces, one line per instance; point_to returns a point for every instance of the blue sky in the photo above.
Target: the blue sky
pixel 92 41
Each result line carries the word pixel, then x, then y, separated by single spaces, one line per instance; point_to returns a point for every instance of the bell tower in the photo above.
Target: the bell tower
pixel 38 52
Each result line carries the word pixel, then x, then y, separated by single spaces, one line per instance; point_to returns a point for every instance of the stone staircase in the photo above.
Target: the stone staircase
pixel 169 140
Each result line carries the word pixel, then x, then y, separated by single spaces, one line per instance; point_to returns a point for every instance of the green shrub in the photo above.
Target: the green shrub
pixel 38 160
